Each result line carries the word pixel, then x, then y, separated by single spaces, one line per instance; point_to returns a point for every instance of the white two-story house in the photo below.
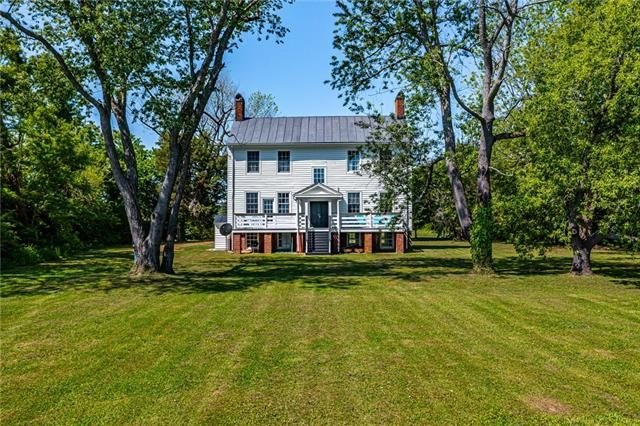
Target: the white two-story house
pixel 296 184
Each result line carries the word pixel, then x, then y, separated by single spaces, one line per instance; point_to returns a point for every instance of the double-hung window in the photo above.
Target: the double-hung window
pixel 284 161
pixel 253 161
pixel 353 161
pixel 284 241
pixel 353 202
pixel 251 199
pixel 283 202
pixel 318 175
pixel 252 241
pixel 386 240
pixel 353 239
pixel 267 205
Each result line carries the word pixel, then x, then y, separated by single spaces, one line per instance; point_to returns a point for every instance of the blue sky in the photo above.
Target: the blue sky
pixel 294 72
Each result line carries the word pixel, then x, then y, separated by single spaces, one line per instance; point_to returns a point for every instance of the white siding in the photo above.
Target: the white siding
pixel 268 182
pixel 220 242
pixel 230 185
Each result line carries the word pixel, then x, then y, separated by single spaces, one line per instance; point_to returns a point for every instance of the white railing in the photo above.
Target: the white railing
pixel 371 221
pixel 265 221
pixel 348 221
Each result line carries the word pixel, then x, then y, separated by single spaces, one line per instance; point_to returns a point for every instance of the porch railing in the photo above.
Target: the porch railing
pixel 265 221
pixel 348 221
pixel 369 220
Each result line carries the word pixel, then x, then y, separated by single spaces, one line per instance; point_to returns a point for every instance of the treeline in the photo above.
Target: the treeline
pixel 59 195
pixel 523 117
pixel 58 192
pixel 522 125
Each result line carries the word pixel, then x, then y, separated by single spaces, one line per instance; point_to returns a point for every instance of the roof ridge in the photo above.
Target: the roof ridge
pixel 304 116
pixel 301 130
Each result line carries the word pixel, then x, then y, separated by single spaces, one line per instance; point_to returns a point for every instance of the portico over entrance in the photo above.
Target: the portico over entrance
pixel 318 204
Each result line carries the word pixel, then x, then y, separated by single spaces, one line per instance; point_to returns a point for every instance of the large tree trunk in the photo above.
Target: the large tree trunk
pixel 146 258
pixel 581 264
pixel 459 197
pixel 482 232
pixel 583 239
pixel 172 229
pixel 227 21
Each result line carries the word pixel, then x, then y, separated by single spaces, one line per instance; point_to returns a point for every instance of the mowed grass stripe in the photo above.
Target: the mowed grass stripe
pixel 342 339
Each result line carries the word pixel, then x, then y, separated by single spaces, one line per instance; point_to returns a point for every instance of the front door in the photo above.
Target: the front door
pixel 319 214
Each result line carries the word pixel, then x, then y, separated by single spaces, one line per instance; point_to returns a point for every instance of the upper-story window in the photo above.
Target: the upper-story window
pixel 353 202
pixel 353 161
pixel 253 161
pixel 267 205
pixel 284 161
pixel 318 175
pixel 251 202
pixel 283 202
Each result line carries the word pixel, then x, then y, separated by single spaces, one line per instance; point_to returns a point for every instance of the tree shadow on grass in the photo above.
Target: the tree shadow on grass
pixel 424 244
pixel 106 271
pixel 620 272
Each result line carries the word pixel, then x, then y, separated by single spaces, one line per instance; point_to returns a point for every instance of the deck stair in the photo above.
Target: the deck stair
pixel 318 242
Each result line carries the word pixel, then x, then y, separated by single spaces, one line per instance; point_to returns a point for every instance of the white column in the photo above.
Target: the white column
pixel 306 210
pixel 306 226
pixel 330 224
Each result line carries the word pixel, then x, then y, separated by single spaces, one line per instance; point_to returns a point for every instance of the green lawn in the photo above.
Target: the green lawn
pixel 364 339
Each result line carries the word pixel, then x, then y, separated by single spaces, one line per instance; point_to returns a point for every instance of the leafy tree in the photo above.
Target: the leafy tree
pixel 205 188
pixel 399 163
pixel 429 46
pixel 386 43
pixel 52 174
pixel 262 105
pixel 158 60
pixel 438 209
pixel 490 44
pixel 206 192
pixel 577 176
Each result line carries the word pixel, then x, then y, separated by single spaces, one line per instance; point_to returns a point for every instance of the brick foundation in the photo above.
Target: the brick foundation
pixel 368 242
pixel 400 242
pixel 267 243
pixel 236 243
pixel 300 243
pixel 270 241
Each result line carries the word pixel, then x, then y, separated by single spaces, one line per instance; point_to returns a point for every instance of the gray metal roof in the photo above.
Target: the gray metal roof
pixel 293 130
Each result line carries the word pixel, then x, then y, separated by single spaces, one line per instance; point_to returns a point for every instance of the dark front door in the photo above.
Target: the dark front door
pixel 319 214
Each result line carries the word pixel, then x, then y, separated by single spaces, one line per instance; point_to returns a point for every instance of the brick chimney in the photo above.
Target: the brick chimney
pixel 239 107
pixel 400 106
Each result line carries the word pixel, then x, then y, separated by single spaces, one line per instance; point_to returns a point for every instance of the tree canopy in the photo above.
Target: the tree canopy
pixel 157 60
pixel 578 175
